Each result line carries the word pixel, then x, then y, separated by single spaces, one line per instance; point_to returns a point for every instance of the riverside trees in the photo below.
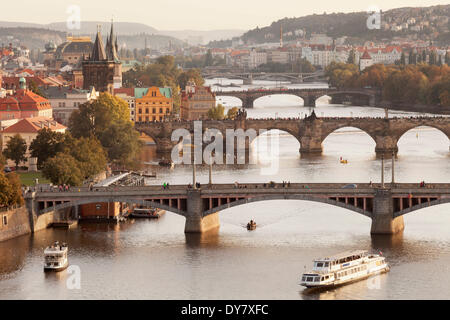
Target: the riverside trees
pixel 421 83
pixel 107 119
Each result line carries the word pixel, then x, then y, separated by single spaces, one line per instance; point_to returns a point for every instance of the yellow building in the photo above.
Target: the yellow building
pixel 153 104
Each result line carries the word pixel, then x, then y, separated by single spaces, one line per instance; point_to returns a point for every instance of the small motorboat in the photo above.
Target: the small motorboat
pixel 251 225
pixel 56 257
pixel 149 213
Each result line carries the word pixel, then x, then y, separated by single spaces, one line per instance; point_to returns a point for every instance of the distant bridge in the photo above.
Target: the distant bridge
pixel 357 96
pixel 385 205
pixel 248 77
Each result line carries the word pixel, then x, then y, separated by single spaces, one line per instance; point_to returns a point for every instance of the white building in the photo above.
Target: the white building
pixel 65 100
pixel 365 61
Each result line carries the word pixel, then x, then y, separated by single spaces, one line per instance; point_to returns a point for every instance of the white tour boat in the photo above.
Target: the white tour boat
pixel 56 257
pixel 344 268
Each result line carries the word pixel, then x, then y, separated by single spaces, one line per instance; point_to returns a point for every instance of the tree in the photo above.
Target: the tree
pixel 90 155
pixel 351 57
pixel 424 56
pixel 15 150
pixel 63 169
pixel 107 120
pixel 432 57
pixel 403 59
pixel 10 190
pixel 122 144
pixel 34 88
pixel 15 196
pixel 209 58
pixel 47 144
pixel 217 112
pixel 192 74
pixel 232 113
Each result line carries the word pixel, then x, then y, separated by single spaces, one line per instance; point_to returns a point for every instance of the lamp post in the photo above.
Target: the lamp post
pixel 382 171
pixel 210 170
pixel 393 167
pixel 193 175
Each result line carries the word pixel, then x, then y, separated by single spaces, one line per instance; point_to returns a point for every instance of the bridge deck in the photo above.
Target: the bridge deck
pixel 245 188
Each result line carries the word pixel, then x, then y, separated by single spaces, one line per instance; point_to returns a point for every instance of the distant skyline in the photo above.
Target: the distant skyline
pixel 193 14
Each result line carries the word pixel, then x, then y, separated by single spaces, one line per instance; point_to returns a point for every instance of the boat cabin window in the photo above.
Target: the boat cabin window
pixel 309 279
pixel 326 264
pixel 319 264
pixel 316 279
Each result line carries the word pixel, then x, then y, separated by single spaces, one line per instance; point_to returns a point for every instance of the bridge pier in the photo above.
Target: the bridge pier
pixel 195 221
pixel 309 101
pixel 310 145
pixel 383 221
pixel 385 146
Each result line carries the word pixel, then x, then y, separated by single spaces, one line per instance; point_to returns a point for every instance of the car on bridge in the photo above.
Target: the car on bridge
pixel 350 186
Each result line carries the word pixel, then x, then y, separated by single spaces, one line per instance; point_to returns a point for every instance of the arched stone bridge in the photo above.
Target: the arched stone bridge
pixel 310 132
pixel 200 207
pixel 370 97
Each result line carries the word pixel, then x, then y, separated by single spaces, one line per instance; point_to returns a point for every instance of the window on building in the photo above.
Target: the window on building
pixel 5 220
pixel 146 110
pixel 140 110
pixel 146 119
pixel 160 110
pixel 154 110
pixel 140 119
pixel 154 118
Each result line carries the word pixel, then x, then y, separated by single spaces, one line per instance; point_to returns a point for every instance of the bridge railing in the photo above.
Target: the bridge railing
pixel 243 187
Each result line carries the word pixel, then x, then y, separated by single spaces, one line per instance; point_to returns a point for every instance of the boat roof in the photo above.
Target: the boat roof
pixel 343 255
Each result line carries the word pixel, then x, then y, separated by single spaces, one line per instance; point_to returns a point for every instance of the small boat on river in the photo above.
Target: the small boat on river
pixel 344 268
pixel 149 213
pixel 251 225
pixel 56 257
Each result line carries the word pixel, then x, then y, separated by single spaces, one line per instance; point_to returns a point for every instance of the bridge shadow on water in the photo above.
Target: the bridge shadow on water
pixel 201 240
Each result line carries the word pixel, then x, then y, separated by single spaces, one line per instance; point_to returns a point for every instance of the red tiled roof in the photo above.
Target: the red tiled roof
pixel 25 100
pixel 366 55
pixel 33 125
pixel 128 91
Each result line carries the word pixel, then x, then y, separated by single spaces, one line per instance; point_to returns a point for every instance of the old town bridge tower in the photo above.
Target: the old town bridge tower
pixel 103 69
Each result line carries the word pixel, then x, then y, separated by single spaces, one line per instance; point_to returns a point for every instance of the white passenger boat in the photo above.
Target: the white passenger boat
pixel 344 268
pixel 56 257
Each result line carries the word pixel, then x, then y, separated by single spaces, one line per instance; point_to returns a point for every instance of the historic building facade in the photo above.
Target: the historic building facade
pixel 153 104
pixel 24 104
pixel 196 102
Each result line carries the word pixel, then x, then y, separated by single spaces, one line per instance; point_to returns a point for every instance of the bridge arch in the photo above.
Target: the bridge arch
pixel 286 197
pixel 219 97
pixel 404 132
pixel 300 101
pixel 422 206
pixel 270 129
pixel 330 131
pixel 153 204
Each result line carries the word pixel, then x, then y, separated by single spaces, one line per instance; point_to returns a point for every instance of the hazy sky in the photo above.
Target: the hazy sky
pixel 191 14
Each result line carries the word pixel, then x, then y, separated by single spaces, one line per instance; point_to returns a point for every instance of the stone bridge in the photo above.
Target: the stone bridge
pixel 369 97
pixel 385 205
pixel 310 132
pixel 248 77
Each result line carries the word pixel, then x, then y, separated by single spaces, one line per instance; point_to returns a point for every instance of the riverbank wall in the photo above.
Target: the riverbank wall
pixel 16 222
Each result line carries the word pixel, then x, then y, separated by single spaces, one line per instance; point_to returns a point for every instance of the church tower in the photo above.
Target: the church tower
pixel 103 69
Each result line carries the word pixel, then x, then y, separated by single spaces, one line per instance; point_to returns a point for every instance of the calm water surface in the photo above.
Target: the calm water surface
pixel 156 260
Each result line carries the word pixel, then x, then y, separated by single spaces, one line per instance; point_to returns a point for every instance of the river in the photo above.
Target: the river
pixel 156 260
